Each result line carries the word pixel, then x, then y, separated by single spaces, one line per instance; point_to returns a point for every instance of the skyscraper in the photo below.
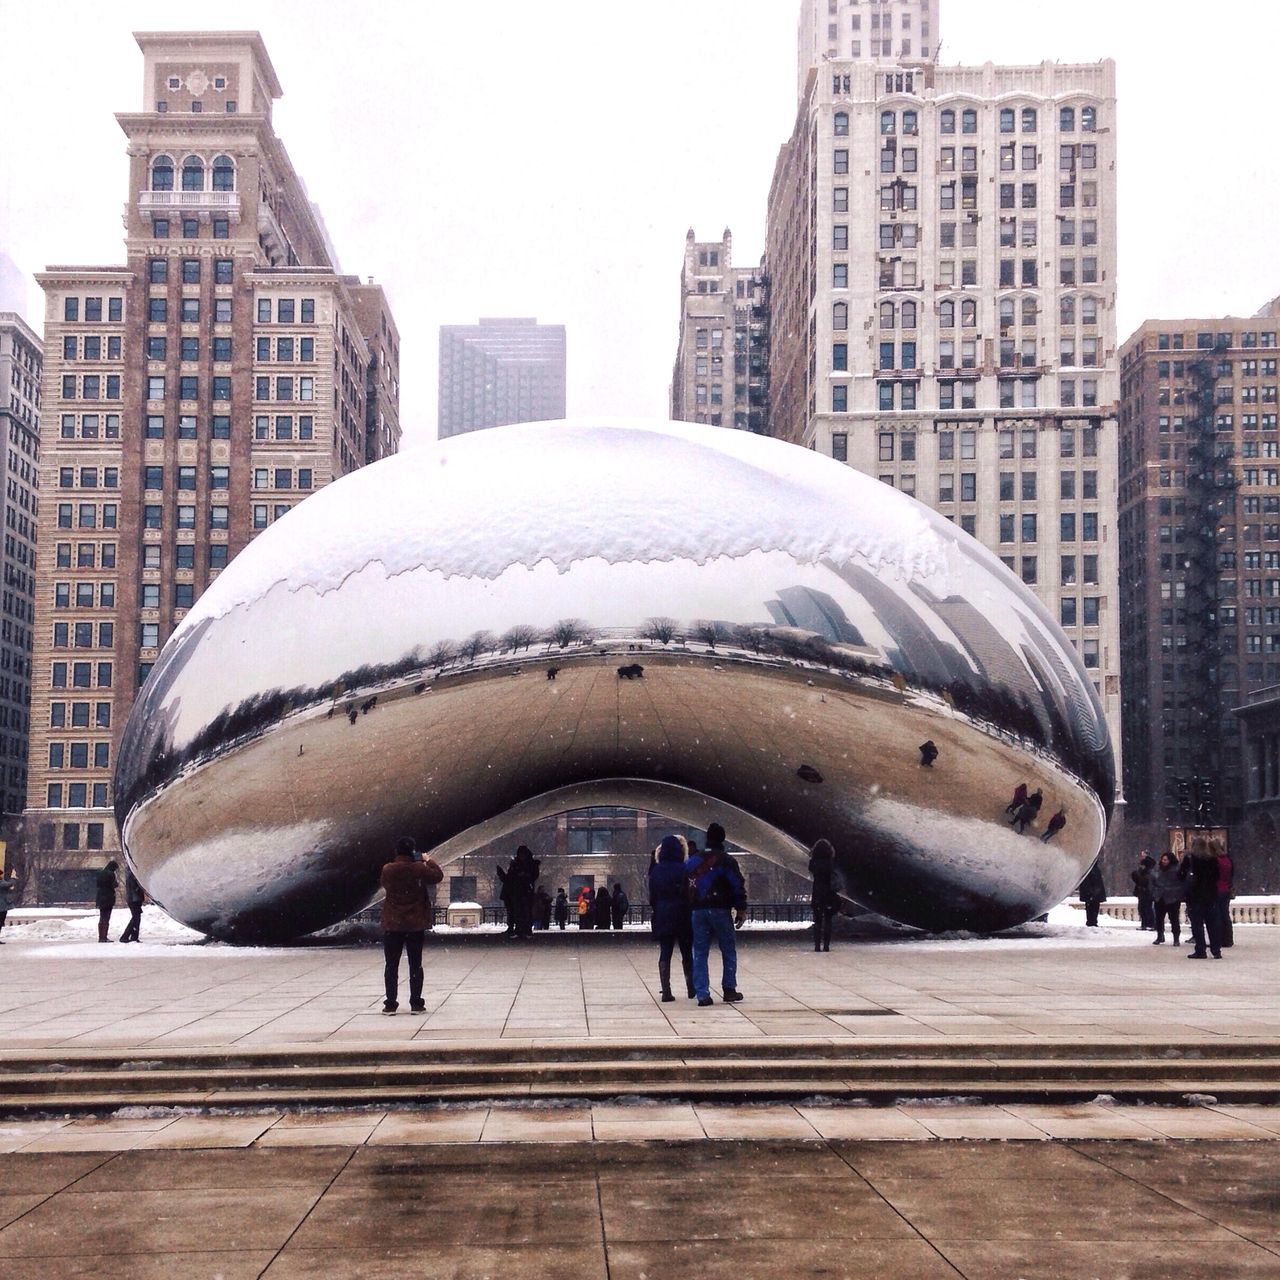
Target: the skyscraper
pixel 721 373
pixel 500 371
pixel 941 257
pixel 196 394
pixel 893 32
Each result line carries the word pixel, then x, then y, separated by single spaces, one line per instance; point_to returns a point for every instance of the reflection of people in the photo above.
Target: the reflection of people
pixel 928 753
pixel 719 896
pixel 1093 893
pixel 561 909
pixel 406 916
pixel 1166 898
pixel 671 922
pixel 585 907
pixel 619 906
pixel 603 908
pixel 134 897
pixel 1056 823
pixel 1025 816
pixel 104 898
pixel 1019 798
pixel 822 866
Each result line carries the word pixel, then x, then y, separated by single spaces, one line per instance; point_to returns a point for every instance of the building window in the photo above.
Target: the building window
pixel 224 174
pixel 162 176
pixel 193 174
pixel 840 446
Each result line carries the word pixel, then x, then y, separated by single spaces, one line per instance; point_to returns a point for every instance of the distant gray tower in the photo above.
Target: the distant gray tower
pixel 500 371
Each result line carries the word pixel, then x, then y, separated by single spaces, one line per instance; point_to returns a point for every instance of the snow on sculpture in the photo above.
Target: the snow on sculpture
pixel 436 646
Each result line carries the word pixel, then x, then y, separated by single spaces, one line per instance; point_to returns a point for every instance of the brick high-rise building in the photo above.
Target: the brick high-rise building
pixel 21 358
pixel 721 373
pixel 942 273
pixel 194 395
pixel 1199 566
pixel 498 372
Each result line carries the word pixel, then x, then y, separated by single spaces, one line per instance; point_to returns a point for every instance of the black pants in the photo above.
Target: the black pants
pixel 822 917
pixel 1146 912
pixel 130 933
pixel 1091 906
pixel 666 949
pixel 1172 912
pixel 1206 925
pixel 392 945
pixel 104 923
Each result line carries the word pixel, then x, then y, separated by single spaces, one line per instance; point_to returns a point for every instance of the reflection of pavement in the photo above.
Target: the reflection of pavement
pixel 1107 984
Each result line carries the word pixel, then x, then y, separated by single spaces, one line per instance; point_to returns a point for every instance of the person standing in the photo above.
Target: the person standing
pixel 822 867
pixel 719 897
pixel 8 886
pixel 1056 823
pixel 1199 872
pixel 586 907
pixel 1093 893
pixel 561 909
pixel 1226 878
pixel 134 897
pixel 104 898
pixel 619 906
pixel 520 883
pixel 406 916
pixel 1166 898
pixel 671 921
pixel 542 909
pixel 603 908
pixel 1141 877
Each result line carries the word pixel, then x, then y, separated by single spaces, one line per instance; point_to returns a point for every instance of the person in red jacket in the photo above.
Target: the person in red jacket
pixel 406 916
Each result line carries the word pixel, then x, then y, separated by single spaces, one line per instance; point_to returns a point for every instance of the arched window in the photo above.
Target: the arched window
pixel 946 315
pixel 840 315
pixel 1006 313
pixel 842 124
pixel 1006 119
pixel 162 173
pixel 224 174
pixel 947 121
pixel 908 315
pixel 193 174
pixel 886 315
pixel 1089 119
pixel 1067 309
pixel 1067 119
pixel 1030 310
pixel 968 313
pixel 910 122
pixel 1088 309
pixel 1029 121
pixel 968 121
pixel 888 122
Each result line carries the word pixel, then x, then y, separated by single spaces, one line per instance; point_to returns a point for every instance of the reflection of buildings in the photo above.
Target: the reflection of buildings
pixel 721 373
pixel 813 611
pixel 498 372
pixel 198 392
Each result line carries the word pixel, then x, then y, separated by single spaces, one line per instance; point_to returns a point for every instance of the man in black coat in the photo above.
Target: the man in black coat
pixel 105 898
pixel 1093 893
pixel 1199 871
pixel 134 897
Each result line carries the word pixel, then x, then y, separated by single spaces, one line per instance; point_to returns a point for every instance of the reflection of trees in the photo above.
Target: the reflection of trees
pixel 475 644
pixel 707 632
pixel 660 630
pixel 570 631
pixel 517 638
pixel 441 654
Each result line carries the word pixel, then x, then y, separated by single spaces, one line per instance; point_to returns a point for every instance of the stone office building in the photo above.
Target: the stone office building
pixel 195 394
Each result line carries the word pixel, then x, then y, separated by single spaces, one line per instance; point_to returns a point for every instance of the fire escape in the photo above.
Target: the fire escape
pixel 1210 513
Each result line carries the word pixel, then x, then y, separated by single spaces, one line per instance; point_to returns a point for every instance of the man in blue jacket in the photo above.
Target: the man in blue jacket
pixel 718 895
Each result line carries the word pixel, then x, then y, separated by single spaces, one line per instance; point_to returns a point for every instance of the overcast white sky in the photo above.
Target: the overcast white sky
pixel 545 157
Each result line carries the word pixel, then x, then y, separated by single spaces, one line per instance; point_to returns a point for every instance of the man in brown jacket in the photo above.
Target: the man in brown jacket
pixel 406 916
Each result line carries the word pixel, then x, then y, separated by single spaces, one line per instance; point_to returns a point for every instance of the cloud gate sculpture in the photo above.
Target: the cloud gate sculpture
pixel 697 621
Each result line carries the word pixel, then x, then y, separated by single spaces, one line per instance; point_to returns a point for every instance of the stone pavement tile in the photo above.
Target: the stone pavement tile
pixel 88 1140
pixel 747 1207
pixel 399 1128
pixel 769 1259
pixel 140 1123
pixel 436 1259
pixel 1202 1123
pixel 680 1160
pixel 990 1209
pixel 645 1124
pixel 1051 1259
pixel 959 1121
pixel 15 1134
pixel 1251 1209
pixel 413 1166
pixel 1265 1117
pixel 879 1123
pixel 21 1174
pixel 1028 1161
pixel 1164 1165
pixel 452 1207
pixel 141 1266
pixel 111 1222
pixel 211 1131
pixel 1080 1120
pixel 217 1169
pixel 753 1122
pixel 327 1119
pixel 14 1206
pixel 329 1136
pixel 549 1124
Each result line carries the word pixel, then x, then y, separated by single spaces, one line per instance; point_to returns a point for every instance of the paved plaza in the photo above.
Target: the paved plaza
pixel 1105 984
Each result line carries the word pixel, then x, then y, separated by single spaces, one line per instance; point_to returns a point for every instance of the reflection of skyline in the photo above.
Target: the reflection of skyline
pixel 816 611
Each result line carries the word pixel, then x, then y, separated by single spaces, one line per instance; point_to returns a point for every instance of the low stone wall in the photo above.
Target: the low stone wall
pixel 1242 911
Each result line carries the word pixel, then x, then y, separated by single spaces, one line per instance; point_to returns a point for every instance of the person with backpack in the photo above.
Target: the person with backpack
pixel 718 898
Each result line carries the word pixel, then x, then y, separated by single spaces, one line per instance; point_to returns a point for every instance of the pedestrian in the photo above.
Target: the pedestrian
pixel 603 910
pixel 104 897
pixel 134 897
pixel 406 916
pixel 1035 800
pixel 822 867
pixel 1056 823
pixel 542 912
pixel 1226 879
pixel 1025 817
pixel 619 907
pixel 561 909
pixel 1166 898
pixel 1093 893
pixel 718 895
pixel 928 753
pixel 586 907
pixel 504 896
pixel 1199 873
pixel 672 921
pixel 1141 877
pixel 1019 798
pixel 8 887
pixel 520 882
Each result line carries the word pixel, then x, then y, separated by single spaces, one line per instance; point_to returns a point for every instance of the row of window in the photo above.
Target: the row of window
pixel 81 675
pixel 88 477
pixel 1222 422
pixel 281 426
pixel 189 270
pixel 281 478
pixel 184 595
pixel 87 595
pixel 89 555
pixel 1008 120
pixel 962 393
pixel 220 174
pixel 189 348
pixel 90 347
pixel 188 386
pixel 76 755
pixel 91 386
pixel 77 797
pixel 190 227
pixel 93 309
pixel 1206 341
pixel 184 516
pixel 1246 368
pixel 283 387
pixel 1027 525
pixel 88 515
pixel 80 635
pixel 1023 443
pixel 286 309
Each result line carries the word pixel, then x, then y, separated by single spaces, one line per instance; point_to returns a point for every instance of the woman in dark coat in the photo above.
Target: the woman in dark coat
pixel 604 908
pixel 1093 893
pixel 672 922
pixel 1166 894
pixel 822 866
pixel 518 886
pixel 619 906
pixel 105 898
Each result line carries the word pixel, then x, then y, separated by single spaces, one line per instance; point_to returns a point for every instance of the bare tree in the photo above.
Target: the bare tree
pixel 441 654
pixel 519 637
pixel 706 632
pixel 659 629
pixel 475 644
pixel 749 637
pixel 569 631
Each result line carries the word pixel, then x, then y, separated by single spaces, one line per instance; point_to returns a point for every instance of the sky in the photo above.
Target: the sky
pixel 546 157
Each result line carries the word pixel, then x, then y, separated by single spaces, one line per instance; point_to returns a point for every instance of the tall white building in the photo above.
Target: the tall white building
pixel 876 31
pixel 942 261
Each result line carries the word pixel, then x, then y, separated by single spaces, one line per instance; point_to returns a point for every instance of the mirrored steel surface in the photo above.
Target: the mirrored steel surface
pixel 691 620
